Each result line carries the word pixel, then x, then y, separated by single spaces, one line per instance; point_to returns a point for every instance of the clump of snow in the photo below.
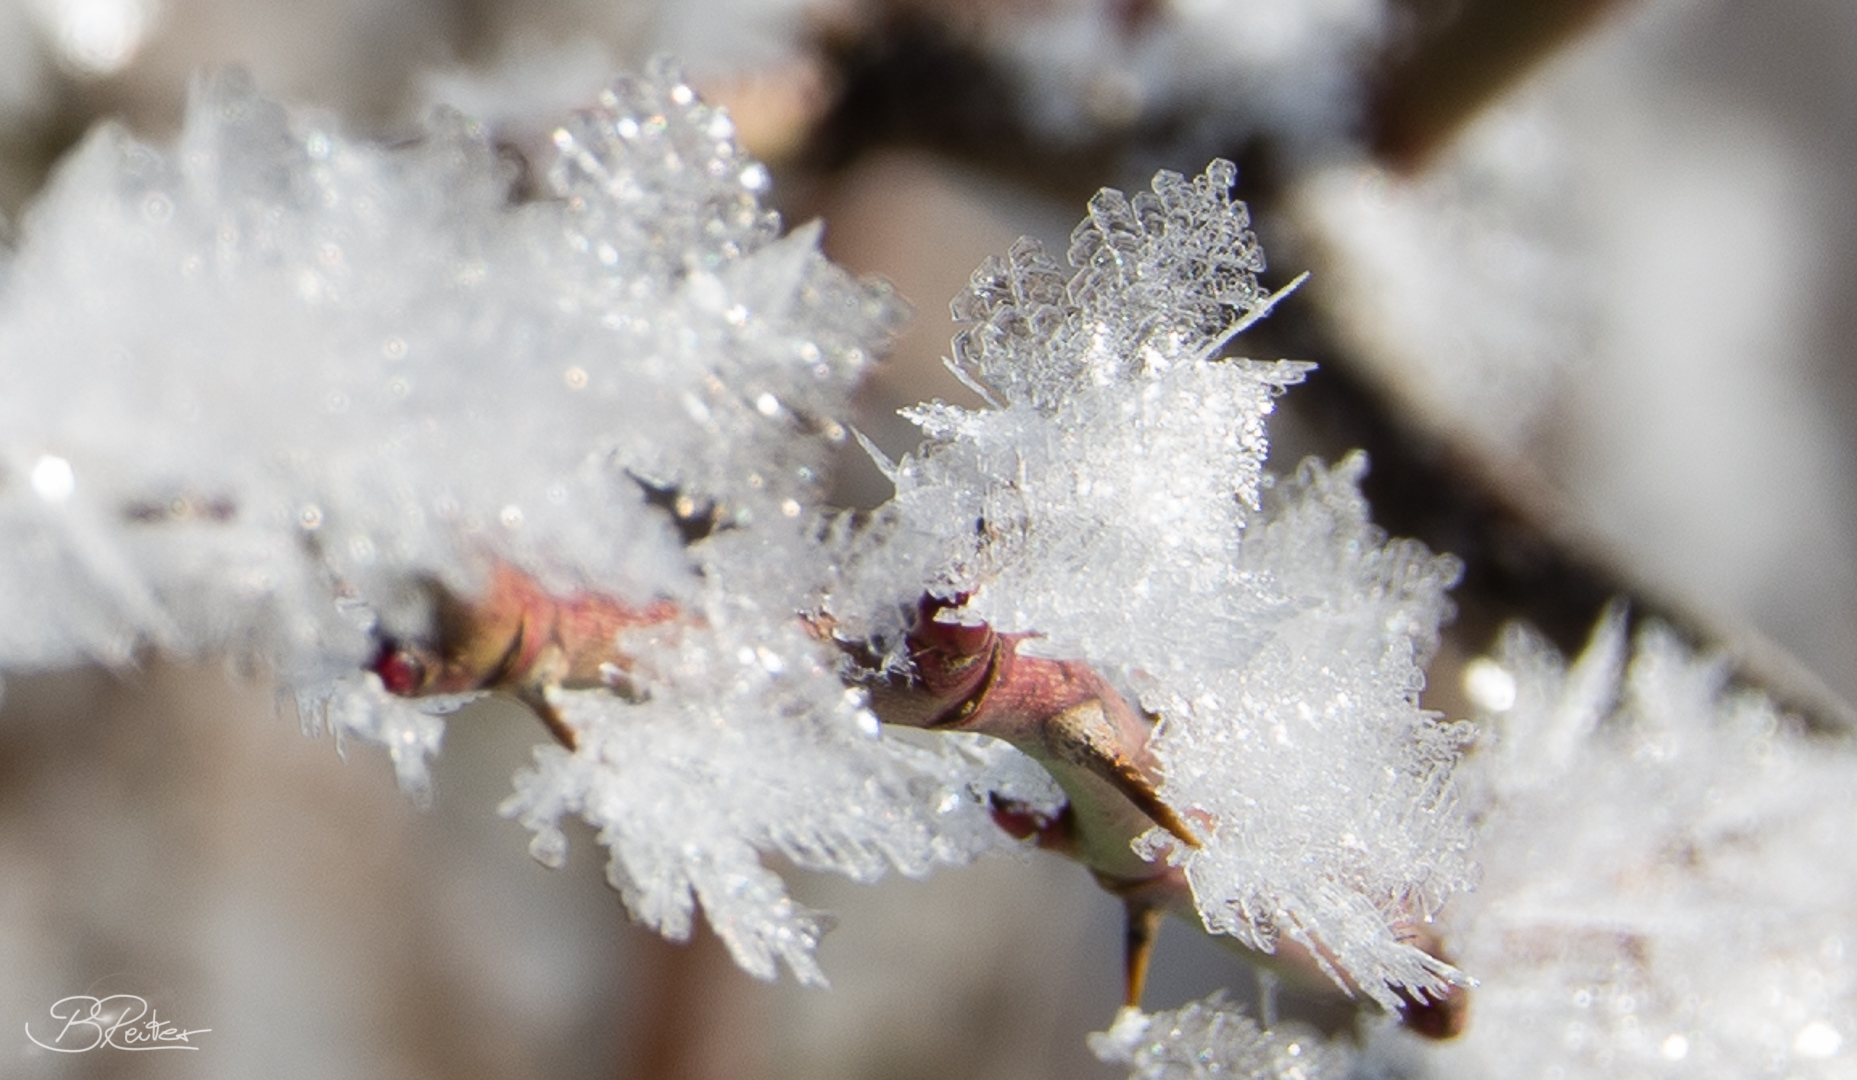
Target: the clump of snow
pixel 1111 503
pixel 1211 1039
pixel 1667 881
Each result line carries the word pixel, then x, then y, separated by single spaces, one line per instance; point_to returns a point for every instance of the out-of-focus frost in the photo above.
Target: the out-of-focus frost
pixel 1668 877
pixel 1462 286
pixel 260 389
pixel 729 37
pixel 280 365
pixel 25 76
pixel 1110 503
pixel 1238 68
pixel 94 38
pixel 1211 1040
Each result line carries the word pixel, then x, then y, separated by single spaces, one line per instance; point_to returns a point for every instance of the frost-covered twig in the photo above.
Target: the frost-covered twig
pixel 519 638
pixel 912 79
pixel 1111 508
pixel 277 393
pixel 362 415
pixel 1453 70
pixel 1069 719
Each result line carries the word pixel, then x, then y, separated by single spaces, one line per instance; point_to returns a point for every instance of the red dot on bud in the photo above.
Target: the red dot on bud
pixel 401 671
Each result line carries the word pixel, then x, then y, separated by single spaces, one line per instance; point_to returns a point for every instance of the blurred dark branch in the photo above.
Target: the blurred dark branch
pixel 1448 69
pixel 904 77
pixel 923 75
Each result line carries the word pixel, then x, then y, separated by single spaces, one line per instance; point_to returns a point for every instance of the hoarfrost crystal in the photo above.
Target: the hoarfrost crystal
pixel 284 358
pixel 1112 503
pixel 1211 1039
pixel 732 756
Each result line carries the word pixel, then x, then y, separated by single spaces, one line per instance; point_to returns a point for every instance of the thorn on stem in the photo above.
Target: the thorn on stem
pixel 1144 925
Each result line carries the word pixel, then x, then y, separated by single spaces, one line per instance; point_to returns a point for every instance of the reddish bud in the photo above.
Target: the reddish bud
pixel 1021 822
pixel 1436 1018
pixel 401 669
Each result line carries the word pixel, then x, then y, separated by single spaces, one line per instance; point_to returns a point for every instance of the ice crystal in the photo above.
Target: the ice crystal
pixel 1649 838
pixel 1208 1040
pixel 743 750
pixel 1160 280
pixel 1110 503
pixel 1332 794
